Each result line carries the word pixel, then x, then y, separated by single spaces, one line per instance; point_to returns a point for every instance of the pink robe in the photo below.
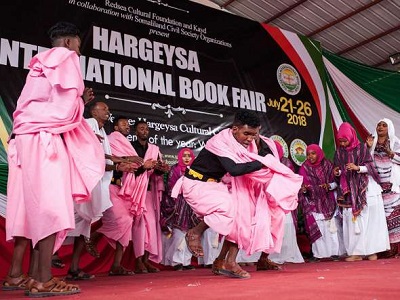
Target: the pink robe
pixel 118 220
pixel 146 232
pixel 261 198
pixel 120 146
pixel 48 171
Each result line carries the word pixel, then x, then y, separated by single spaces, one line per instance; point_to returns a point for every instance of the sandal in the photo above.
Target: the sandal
pixel 91 247
pixel 16 283
pixel 53 287
pixel 217 266
pixel 120 271
pixel 57 263
pixel 78 275
pixel 267 264
pixel 235 272
pixel 193 242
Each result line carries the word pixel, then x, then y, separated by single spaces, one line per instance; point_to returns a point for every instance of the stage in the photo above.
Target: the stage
pixel 321 280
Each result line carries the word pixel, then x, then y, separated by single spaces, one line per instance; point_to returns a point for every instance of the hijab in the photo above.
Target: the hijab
pixel 318 151
pixel 180 158
pixel 346 131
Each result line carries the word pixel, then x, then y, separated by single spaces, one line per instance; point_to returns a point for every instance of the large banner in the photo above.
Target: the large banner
pixel 184 67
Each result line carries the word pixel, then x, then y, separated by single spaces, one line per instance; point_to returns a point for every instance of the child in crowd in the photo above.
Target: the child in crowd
pixel 317 199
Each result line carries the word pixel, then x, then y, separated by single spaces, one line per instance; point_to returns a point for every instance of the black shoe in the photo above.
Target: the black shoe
pixel 189 267
pixel 335 257
pixel 178 267
pixel 314 259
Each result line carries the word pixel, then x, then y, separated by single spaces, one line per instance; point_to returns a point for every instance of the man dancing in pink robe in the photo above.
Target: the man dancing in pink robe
pixel 54 159
pixel 251 214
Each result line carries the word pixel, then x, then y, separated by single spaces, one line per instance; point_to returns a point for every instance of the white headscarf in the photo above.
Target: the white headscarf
pixel 395 147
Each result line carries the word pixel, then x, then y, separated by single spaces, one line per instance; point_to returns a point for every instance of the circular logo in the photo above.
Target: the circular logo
pixel 288 79
pixel 298 151
pixel 282 142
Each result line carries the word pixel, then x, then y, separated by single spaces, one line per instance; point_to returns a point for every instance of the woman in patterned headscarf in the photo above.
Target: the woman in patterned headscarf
pixel 318 202
pixel 179 217
pixel 385 149
pixel 359 194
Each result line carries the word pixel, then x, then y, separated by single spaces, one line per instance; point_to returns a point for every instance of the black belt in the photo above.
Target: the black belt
pixel 192 174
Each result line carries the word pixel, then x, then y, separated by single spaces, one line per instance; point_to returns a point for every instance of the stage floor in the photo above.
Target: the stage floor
pixel 321 280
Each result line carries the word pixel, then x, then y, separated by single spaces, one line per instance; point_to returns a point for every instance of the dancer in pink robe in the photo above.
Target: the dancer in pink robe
pixel 250 216
pixel 117 221
pixel 146 233
pixel 89 212
pixel 53 160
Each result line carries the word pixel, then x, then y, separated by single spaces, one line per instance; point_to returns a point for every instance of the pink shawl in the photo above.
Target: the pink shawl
pixel 259 197
pixel 346 131
pixel 51 103
pixel 133 188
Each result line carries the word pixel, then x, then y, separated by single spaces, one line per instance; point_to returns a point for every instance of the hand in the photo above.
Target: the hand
pixel 352 167
pixel 135 166
pixel 149 164
pixel 336 171
pixel 370 140
pixel 325 186
pixel 88 95
pixel 162 166
pixel 135 159
pixel 125 167
pixel 304 188
pixel 115 159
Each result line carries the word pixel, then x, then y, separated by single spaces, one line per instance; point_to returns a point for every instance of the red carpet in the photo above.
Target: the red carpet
pixel 324 280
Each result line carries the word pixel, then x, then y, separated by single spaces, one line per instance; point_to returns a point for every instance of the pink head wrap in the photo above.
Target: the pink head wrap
pixel 180 160
pixel 318 151
pixel 346 131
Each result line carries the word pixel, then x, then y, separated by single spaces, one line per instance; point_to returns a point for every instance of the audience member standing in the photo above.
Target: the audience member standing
pixel 385 149
pixel 365 231
pixel 182 217
pixel 318 202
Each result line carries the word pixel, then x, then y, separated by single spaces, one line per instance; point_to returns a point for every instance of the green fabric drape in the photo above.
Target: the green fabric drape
pixel 381 84
pixel 3 178
pixel 7 123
